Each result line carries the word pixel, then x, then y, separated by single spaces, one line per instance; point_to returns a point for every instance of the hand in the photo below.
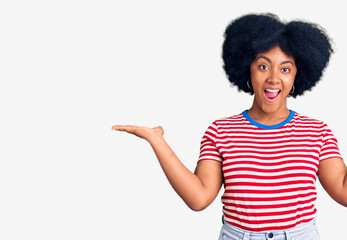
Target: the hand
pixel 142 132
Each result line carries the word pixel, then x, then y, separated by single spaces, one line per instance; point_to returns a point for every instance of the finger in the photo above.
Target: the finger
pixel 160 128
pixel 126 128
pixel 116 127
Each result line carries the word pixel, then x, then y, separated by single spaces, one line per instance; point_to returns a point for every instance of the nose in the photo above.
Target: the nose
pixel 274 77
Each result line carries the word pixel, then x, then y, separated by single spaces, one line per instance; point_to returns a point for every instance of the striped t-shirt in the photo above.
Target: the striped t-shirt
pixel 269 171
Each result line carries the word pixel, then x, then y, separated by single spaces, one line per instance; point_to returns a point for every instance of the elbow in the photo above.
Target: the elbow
pixel 198 206
pixel 342 201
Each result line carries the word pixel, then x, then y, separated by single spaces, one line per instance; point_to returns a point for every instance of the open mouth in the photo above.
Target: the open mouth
pixel 271 94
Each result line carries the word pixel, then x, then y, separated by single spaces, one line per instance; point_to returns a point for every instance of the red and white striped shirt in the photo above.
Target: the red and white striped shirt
pixel 269 171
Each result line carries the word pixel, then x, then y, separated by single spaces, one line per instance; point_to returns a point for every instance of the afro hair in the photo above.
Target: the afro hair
pixel 251 34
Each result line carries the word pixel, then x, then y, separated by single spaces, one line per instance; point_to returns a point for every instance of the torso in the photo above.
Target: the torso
pixel 269 171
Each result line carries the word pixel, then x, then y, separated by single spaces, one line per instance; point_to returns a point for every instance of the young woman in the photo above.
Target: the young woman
pixel 267 157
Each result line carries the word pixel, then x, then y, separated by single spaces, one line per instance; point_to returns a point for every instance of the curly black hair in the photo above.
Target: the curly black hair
pixel 251 34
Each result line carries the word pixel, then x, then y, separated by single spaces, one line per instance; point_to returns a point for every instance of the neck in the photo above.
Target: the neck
pixel 268 117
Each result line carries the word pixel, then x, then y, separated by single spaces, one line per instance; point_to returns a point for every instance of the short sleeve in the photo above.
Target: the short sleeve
pixel 329 147
pixel 208 148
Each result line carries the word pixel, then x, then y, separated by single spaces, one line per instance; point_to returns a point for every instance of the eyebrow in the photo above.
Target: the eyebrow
pixel 267 59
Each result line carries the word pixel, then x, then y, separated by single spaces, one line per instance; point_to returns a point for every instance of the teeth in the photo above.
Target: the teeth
pixel 272 90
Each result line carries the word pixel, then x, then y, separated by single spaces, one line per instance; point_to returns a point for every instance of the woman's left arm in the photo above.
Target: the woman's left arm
pixel 332 174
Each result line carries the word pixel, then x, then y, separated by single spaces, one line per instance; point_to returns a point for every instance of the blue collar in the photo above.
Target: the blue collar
pixel 291 115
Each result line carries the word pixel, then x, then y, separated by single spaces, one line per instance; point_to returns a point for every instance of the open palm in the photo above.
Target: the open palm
pixel 142 132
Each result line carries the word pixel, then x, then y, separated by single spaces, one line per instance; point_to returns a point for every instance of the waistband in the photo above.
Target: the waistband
pixel 290 232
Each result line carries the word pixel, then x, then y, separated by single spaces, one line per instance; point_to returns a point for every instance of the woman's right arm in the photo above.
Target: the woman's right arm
pixel 198 189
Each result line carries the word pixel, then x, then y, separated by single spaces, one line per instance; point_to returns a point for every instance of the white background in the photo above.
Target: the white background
pixel 69 70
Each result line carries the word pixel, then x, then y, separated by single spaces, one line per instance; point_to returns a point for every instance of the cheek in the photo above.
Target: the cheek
pixel 257 80
pixel 287 86
pixel 289 82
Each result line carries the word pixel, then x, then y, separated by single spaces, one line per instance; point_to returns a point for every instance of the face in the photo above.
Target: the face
pixel 272 77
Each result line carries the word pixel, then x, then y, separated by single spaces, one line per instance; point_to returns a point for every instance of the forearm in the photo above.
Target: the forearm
pixel 187 185
pixel 345 189
pixel 197 189
pixel 332 174
pixel 343 186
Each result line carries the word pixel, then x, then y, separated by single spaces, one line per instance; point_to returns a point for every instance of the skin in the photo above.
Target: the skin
pixel 272 69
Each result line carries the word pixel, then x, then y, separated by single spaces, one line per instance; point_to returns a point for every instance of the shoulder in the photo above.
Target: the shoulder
pixel 228 124
pixel 306 120
pixel 230 120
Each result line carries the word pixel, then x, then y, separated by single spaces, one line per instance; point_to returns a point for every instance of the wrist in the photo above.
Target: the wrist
pixel 154 137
